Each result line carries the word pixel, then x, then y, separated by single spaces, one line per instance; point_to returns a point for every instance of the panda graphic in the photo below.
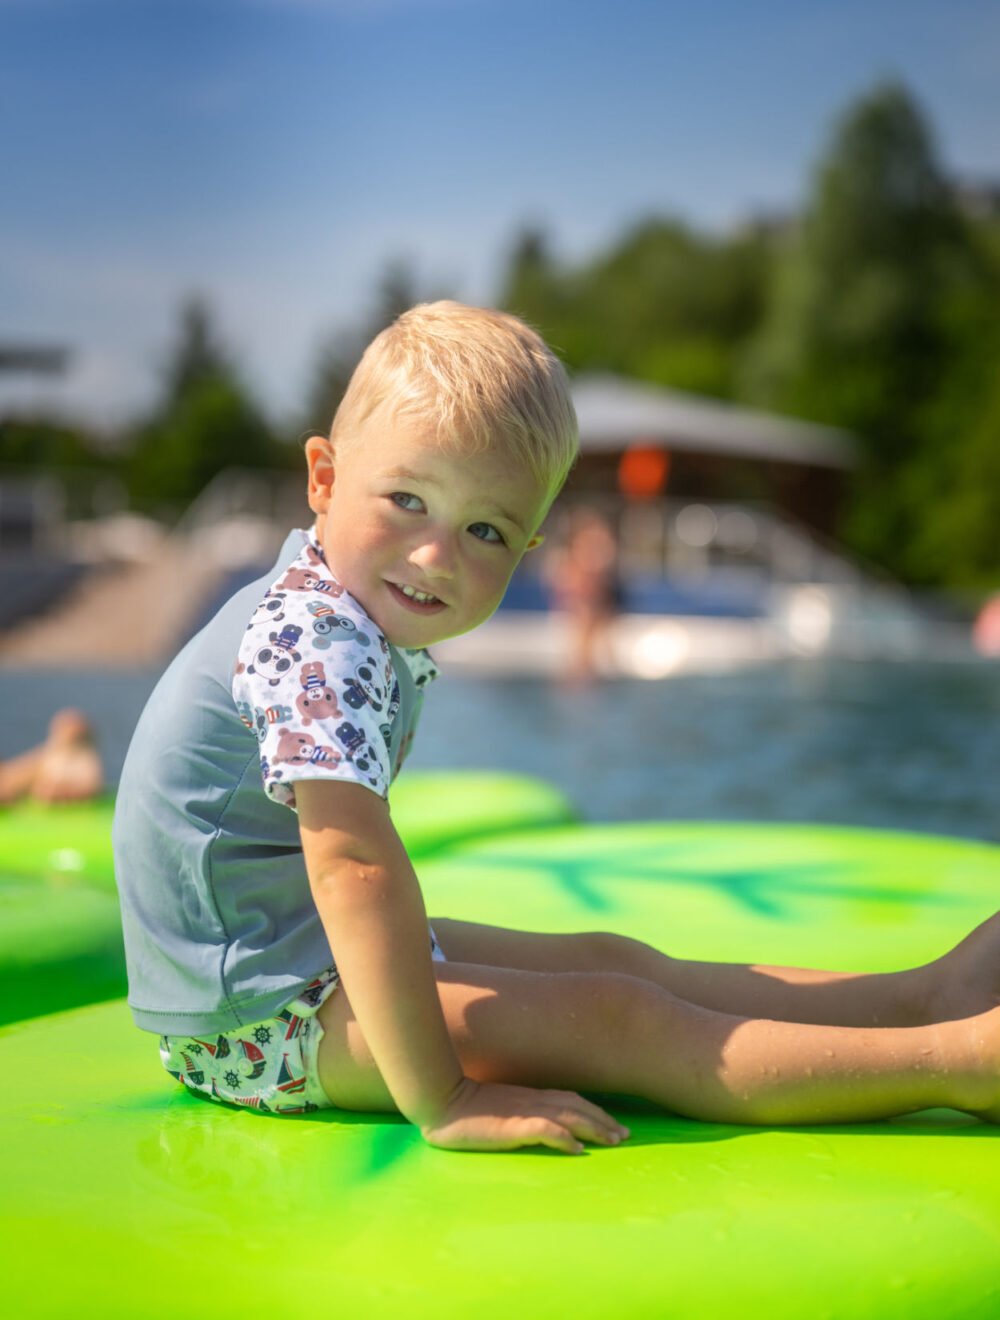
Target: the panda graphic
pixel 359 750
pixel 274 661
pixel 365 687
pixel 270 610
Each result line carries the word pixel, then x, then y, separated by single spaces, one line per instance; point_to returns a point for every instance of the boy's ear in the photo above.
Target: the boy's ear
pixel 319 459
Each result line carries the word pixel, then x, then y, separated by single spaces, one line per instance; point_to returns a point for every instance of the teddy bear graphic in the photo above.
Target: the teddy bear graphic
pixel 317 700
pixel 308 579
pixel 301 749
pixel 263 719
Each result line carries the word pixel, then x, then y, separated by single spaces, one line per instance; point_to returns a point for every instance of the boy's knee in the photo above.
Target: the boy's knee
pixel 619 1000
pixel 613 951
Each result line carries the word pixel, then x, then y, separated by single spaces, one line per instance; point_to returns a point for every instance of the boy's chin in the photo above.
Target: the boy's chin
pixel 416 638
pixel 419 637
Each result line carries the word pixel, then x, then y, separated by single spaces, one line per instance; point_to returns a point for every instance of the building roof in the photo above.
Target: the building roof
pixel 615 412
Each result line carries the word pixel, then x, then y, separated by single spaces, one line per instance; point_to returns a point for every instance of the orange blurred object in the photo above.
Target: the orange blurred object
pixel 986 629
pixel 642 471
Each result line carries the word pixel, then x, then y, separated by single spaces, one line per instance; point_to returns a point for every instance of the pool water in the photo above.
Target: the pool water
pixel 889 745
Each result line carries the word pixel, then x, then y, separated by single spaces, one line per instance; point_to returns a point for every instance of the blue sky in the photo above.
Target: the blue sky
pixel 276 154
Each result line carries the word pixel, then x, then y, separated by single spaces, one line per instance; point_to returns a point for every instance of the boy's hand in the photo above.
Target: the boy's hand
pixel 495 1116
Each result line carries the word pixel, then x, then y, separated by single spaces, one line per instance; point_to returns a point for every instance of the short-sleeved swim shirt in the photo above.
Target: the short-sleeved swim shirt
pixel 291 679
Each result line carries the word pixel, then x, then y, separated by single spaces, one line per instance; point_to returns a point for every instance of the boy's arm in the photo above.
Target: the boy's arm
pixel 372 910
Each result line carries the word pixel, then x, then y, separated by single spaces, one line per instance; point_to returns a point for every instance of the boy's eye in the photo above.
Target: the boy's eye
pixel 405 501
pixel 486 532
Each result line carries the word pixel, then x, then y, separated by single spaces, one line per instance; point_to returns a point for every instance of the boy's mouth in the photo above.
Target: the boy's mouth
pixel 421 602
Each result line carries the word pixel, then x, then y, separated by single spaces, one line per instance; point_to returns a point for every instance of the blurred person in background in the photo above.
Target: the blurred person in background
pixel 66 767
pixel 986 629
pixel 582 578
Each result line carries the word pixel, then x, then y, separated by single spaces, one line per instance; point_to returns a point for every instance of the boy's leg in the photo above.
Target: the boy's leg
pixel 965 982
pixel 607 1032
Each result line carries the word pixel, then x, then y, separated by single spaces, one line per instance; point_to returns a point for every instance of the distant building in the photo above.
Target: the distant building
pixel 716 450
pixel 25 357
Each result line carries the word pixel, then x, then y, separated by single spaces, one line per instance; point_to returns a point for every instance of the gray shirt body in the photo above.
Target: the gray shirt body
pixel 219 923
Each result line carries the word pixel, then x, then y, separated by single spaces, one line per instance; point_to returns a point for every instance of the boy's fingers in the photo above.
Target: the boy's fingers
pixel 582 1125
pixel 578 1127
pixel 586 1106
pixel 587 1119
pixel 543 1132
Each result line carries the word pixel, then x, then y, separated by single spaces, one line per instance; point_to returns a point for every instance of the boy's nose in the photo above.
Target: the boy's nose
pixel 435 557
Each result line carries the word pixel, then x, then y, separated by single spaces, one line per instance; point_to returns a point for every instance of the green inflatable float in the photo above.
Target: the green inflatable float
pixel 60 930
pixel 125 1196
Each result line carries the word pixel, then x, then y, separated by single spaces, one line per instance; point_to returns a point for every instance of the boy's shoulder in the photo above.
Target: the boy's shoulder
pixel 306 611
pixel 318 683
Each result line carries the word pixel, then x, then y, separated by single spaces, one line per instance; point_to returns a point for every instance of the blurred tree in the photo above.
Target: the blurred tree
pixel 197 356
pixel 663 304
pixel 856 333
pixel 954 488
pixel 40 442
pixel 959 540
pixel 205 422
pixel 531 282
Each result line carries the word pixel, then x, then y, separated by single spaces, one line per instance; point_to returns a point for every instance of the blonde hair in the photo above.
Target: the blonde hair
pixel 481 378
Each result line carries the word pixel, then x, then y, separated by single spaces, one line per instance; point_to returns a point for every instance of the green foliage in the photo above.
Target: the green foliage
pixel 48 445
pixel 871 325
pixel 205 422
pixel 879 312
pixel 852 334
pixel 664 304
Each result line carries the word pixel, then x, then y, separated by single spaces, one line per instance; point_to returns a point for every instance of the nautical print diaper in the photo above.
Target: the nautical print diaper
pixel 270 1065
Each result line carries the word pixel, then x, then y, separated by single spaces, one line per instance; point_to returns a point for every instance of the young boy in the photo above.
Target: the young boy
pixel 276 935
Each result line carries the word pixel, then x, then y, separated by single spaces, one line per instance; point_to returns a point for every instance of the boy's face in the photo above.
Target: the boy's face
pixel 396 511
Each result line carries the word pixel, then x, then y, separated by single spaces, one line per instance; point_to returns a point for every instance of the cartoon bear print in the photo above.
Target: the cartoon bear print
pixel 364 686
pixel 331 627
pixel 301 749
pixel 308 579
pixel 270 610
pixel 359 751
pixel 263 719
pixel 390 714
pixel 317 700
pixel 393 710
pixel 274 661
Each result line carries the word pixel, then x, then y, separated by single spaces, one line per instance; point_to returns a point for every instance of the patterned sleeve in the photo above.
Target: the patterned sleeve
pixel 314 682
